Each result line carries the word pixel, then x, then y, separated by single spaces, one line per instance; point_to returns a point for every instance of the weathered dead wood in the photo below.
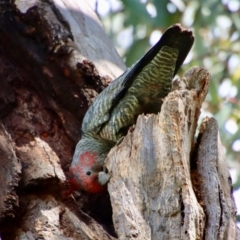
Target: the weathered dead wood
pixel 216 185
pixel 74 27
pixel 150 189
pixel 47 218
pixel 9 175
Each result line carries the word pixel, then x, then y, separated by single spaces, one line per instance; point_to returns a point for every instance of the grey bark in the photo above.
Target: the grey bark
pixel 55 58
pixel 163 184
pixel 216 189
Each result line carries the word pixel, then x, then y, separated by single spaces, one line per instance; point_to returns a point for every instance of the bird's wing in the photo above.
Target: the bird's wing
pixel 99 112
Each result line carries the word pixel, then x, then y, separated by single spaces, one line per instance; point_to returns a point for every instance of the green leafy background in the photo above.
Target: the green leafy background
pixel 131 24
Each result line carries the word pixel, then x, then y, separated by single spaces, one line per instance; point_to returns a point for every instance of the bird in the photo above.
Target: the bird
pixel 139 90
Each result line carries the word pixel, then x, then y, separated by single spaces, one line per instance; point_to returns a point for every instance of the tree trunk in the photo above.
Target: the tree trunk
pixel 55 58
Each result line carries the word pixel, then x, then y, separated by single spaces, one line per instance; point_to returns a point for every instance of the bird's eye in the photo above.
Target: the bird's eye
pixel 88 173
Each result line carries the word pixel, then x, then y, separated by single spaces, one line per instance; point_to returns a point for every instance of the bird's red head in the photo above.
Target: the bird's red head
pixel 85 173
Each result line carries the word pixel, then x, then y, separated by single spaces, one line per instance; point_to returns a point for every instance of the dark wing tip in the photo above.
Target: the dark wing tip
pixel 175 37
pixel 177 29
pixel 179 38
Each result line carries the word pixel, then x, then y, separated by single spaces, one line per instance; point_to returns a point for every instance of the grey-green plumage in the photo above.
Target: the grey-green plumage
pixel 151 83
pixel 140 89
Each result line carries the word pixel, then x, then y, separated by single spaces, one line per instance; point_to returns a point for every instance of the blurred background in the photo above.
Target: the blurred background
pixel 136 25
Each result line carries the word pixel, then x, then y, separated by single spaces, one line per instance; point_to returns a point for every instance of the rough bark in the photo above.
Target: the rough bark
pixel 216 185
pixel 156 175
pixel 157 167
pixel 54 59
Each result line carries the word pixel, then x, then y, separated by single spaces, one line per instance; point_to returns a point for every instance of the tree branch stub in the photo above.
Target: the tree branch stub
pixel 151 169
pixel 216 189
